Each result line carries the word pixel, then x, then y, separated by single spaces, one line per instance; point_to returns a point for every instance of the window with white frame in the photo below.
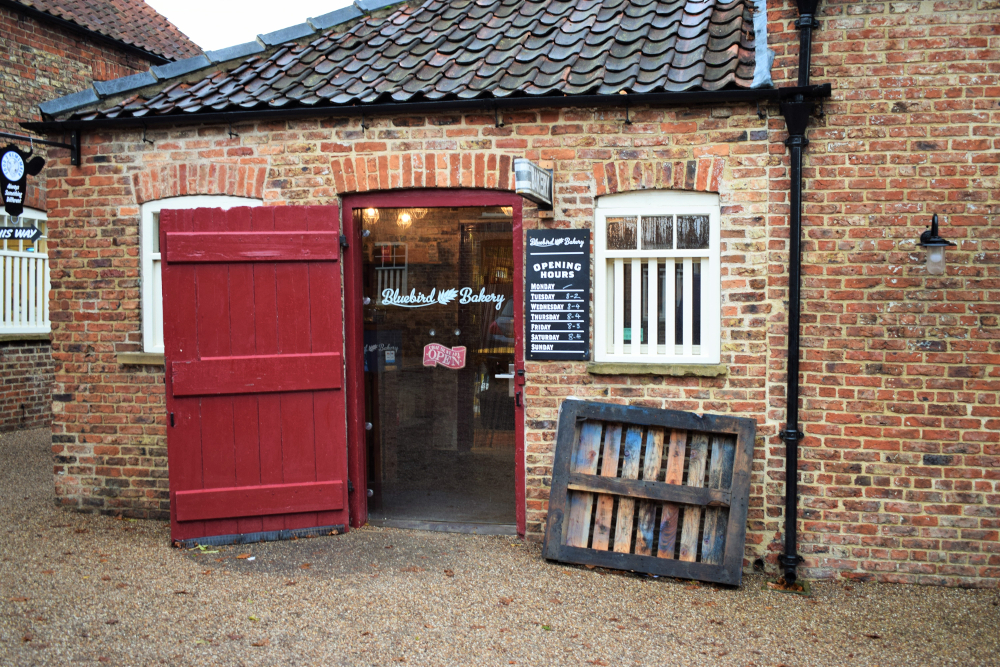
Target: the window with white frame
pixel 657 278
pixel 24 276
pixel 149 237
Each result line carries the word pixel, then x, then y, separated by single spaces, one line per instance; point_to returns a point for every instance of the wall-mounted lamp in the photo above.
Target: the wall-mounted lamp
pixel 935 248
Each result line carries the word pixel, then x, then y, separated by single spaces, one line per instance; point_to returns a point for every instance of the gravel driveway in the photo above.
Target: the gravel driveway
pixel 91 590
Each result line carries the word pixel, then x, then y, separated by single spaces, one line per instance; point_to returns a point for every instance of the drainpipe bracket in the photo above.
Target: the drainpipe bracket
pixel 807 21
pixel 792 436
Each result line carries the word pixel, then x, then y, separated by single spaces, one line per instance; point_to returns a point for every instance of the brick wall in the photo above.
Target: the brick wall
pixel 40 61
pixel 901 464
pixel 25 382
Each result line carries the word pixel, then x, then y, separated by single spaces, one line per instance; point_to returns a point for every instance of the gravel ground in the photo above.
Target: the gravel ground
pixel 84 589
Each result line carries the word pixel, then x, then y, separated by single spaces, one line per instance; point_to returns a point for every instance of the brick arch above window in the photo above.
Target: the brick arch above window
pixel 422 170
pixel 180 180
pixel 701 175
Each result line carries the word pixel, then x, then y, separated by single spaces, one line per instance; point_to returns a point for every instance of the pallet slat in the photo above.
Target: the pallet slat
pixel 692 514
pixel 606 502
pixel 671 512
pixel 626 506
pixel 716 518
pixel 647 508
pixel 581 502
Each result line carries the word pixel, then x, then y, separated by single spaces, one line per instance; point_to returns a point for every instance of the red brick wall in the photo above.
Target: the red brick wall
pixel 900 467
pixel 40 61
pixel 25 383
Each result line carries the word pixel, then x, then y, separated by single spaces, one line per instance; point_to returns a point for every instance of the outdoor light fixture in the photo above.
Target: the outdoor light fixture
pixel 935 248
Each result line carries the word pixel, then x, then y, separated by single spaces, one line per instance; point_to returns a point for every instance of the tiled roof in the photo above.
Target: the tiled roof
pixel 131 22
pixel 464 49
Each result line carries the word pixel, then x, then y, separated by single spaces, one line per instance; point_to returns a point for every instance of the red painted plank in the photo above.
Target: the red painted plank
pixel 294 337
pixel 184 437
pixel 233 246
pixel 326 313
pixel 218 440
pixel 257 374
pixel 202 504
pixel 243 343
pixel 266 331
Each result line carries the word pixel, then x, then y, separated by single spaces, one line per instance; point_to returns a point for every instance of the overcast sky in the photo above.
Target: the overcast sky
pixel 216 24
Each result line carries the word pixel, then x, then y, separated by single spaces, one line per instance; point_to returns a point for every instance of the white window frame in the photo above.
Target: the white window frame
pixel 25 286
pixel 609 344
pixel 150 270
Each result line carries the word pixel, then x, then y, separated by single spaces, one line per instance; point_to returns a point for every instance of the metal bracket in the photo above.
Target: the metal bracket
pixel 364 125
pixel 343 242
pixel 231 133
pixel 496 116
pixel 761 111
pixel 144 139
pixel 628 121
pixel 791 436
pixel 350 486
pixel 73 145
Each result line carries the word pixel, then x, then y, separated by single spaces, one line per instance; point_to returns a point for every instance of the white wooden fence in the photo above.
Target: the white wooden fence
pixel 24 292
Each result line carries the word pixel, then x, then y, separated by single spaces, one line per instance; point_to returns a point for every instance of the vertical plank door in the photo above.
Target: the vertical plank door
pixel 253 331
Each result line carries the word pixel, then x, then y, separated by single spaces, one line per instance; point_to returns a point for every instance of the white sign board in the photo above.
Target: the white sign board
pixel 532 181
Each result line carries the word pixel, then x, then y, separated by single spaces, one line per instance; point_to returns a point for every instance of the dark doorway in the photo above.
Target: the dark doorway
pixel 439 343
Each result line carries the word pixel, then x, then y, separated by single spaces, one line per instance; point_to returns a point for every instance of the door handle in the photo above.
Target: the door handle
pixel 504 376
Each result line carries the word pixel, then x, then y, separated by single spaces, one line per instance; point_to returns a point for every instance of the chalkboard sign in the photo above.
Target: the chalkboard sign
pixel 558 289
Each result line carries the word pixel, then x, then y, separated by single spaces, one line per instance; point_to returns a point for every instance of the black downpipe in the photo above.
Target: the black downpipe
pixel 796 112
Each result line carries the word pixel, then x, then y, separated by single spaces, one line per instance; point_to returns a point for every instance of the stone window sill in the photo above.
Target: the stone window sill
pixel 13 337
pixel 672 370
pixel 140 358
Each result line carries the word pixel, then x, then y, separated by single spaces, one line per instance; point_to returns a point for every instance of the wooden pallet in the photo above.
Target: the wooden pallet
pixel 657 491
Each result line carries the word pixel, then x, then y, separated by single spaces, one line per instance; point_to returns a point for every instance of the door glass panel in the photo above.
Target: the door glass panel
pixel 439 355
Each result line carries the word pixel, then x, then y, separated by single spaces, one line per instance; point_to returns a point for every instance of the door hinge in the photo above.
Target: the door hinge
pixel 171 418
pixel 350 486
pixel 343 241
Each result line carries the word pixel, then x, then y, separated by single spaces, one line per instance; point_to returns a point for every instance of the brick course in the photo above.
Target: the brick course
pixel 40 61
pixel 900 468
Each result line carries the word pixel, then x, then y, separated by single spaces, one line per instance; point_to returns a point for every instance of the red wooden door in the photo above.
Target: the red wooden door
pixel 254 342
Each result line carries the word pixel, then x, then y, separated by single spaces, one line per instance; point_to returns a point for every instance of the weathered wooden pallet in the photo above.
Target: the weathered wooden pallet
pixel 657 491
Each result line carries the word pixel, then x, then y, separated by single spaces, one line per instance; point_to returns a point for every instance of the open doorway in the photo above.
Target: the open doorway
pixel 441 397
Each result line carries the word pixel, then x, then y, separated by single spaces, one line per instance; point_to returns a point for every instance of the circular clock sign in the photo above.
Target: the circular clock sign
pixel 12 166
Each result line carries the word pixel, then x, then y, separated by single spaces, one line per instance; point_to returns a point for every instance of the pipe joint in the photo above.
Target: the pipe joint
pixel 807 21
pixel 796 140
pixel 792 436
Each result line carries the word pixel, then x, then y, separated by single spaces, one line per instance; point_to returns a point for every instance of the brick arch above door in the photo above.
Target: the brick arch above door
pixel 422 170
pixel 179 180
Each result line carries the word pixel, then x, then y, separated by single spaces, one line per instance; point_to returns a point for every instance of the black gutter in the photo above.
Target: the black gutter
pixel 489 104
pixel 39 15
pixel 796 111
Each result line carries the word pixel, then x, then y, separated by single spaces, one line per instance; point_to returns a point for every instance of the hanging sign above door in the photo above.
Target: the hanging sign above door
pixel 15 167
pixel 558 288
pixel 532 181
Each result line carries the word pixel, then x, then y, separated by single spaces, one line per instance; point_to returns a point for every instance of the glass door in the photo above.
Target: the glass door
pixel 439 360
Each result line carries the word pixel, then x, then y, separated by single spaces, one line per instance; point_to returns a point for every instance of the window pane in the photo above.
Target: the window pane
pixel 696 303
pixel 156 232
pixel 621 233
pixel 661 328
pixel 643 338
pixel 679 303
pixel 658 232
pixel 692 232
pixel 627 301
